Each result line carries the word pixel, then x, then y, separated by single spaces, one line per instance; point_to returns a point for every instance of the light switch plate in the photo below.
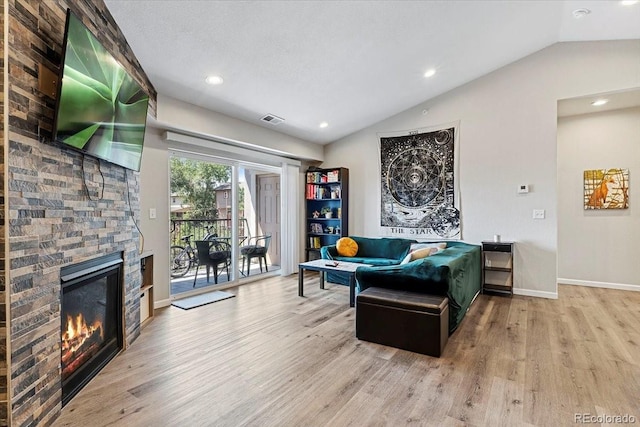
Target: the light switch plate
pixel 152 213
pixel 538 214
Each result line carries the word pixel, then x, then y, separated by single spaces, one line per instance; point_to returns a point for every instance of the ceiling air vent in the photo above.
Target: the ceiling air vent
pixel 273 119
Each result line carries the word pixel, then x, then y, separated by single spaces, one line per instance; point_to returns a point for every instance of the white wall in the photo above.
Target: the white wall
pixel 598 246
pixel 508 127
pixel 154 193
pixel 179 115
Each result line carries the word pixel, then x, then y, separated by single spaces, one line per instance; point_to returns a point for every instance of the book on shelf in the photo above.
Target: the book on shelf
pixel 314 243
pixel 318 192
pixel 318 178
pixel 333 176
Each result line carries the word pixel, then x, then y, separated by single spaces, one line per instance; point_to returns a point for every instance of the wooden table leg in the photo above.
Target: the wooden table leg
pixel 300 274
pixel 352 290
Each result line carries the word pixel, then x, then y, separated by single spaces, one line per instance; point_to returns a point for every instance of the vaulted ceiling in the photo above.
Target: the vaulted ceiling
pixel 347 63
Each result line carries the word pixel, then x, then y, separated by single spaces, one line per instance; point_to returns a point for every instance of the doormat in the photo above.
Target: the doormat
pixel 198 300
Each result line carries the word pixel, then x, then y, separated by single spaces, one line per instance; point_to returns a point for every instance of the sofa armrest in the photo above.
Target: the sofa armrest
pixel 328 252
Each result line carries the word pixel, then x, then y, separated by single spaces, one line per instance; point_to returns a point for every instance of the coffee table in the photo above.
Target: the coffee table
pixel 326 265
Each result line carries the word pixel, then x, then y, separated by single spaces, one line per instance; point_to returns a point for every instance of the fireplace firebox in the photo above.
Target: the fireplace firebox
pixel 91 320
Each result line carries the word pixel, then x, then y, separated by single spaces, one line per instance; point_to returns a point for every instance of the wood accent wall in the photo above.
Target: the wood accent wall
pixel 51 221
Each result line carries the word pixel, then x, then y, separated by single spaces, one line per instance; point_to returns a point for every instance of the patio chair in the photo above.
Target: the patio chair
pixel 214 254
pixel 257 248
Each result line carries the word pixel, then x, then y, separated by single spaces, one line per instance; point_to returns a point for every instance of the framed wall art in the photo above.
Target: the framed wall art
pixel 606 189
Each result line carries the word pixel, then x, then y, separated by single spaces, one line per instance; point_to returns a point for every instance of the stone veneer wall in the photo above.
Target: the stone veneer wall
pixel 51 221
pixel 4 396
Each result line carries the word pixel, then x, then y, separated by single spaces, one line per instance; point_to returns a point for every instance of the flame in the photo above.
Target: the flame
pixel 78 331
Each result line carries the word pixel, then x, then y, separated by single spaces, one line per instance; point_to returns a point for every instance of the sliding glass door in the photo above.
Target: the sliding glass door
pixel 224 222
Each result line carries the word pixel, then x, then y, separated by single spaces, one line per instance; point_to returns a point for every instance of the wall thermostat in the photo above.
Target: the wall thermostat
pixel 522 189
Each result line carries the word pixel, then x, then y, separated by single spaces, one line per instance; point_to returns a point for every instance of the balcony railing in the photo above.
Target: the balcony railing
pixel 202 228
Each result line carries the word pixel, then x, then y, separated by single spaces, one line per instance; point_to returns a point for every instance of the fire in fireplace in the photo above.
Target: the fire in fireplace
pixel 91 323
pixel 80 342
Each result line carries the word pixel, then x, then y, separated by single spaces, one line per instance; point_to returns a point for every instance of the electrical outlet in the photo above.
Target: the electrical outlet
pixel 152 213
pixel 538 214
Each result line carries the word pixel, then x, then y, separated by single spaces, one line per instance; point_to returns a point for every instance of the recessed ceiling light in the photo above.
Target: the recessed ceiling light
pixel 628 2
pixel 214 80
pixel 324 125
pixel 430 72
pixel 581 13
pixel 599 102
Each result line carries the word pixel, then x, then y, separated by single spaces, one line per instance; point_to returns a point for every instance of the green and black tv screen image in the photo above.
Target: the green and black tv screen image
pixel 101 109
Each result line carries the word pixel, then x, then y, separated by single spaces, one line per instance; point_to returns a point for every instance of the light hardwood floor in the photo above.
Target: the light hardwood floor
pixel 271 358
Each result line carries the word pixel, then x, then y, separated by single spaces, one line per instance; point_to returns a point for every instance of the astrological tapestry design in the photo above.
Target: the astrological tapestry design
pixel 419 196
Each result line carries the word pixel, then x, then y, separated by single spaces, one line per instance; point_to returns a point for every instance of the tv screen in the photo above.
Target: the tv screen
pixel 101 109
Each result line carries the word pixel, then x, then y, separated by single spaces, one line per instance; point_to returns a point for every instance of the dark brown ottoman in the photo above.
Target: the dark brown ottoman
pixel 407 320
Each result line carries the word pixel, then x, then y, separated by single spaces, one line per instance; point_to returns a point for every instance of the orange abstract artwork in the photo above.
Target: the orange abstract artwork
pixel 606 189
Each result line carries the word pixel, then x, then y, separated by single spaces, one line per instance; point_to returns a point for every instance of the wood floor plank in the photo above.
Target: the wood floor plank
pixel 270 358
pixel 505 403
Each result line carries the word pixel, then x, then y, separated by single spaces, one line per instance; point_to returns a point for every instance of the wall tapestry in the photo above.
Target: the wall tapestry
pixel 606 189
pixel 419 195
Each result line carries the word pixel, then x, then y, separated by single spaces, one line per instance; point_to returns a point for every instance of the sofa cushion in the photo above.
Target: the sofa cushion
pixel 437 245
pixel 347 247
pixel 365 260
pixel 419 254
pixel 384 247
pixel 423 250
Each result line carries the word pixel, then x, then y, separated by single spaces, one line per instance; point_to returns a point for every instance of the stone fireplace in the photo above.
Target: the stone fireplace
pixel 91 320
pixel 50 221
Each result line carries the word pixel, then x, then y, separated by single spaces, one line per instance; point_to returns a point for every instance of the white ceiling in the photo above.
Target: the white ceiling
pixel 349 63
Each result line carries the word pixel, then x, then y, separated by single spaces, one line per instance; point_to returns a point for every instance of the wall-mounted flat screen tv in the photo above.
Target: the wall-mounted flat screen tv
pixel 101 110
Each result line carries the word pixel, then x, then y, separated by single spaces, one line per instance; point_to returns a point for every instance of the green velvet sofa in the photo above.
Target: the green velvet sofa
pixel 374 251
pixel 455 271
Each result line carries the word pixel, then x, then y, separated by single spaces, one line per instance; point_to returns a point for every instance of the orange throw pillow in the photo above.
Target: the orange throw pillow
pixel 346 246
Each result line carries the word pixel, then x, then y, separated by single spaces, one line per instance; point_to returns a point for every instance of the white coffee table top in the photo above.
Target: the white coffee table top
pixel 331 265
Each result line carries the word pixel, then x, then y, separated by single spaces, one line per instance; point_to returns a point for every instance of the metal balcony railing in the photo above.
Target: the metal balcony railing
pixel 202 228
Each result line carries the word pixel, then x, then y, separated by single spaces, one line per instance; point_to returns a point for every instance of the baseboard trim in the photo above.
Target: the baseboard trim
pixel 162 303
pixel 606 285
pixel 534 293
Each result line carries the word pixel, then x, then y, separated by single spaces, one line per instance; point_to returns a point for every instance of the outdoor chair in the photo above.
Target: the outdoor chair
pixel 214 254
pixel 257 248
